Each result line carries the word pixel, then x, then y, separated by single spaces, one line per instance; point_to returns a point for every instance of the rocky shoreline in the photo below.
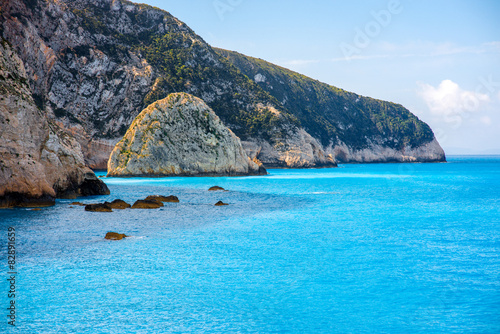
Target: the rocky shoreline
pixel 39 161
pixel 75 75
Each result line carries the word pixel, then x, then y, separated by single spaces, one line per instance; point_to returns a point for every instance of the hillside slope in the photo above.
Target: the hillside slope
pixel 94 65
pixel 352 127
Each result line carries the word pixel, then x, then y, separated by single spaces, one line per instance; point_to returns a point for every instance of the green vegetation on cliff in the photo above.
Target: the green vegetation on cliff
pixel 172 55
pixel 328 112
pixel 183 62
pixel 119 57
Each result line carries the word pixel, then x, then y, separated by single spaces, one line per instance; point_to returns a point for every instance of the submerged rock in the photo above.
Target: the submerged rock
pixel 118 204
pixel 216 188
pixel 100 207
pixel 147 204
pixel 220 203
pixel 179 135
pixel 115 236
pixel 166 199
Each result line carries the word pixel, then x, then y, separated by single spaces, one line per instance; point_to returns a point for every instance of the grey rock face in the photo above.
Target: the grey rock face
pixel 347 126
pixel 89 74
pixel 94 94
pixel 179 135
pixel 38 160
pixel 298 150
pixel 429 152
pixel 94 65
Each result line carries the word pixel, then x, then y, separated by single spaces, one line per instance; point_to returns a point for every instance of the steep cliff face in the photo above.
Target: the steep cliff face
pixel 350 127
pixel 180 135
pixel 376 152
pixel 94 65
pixel 73 81
pixel 300 150
pixel 38 160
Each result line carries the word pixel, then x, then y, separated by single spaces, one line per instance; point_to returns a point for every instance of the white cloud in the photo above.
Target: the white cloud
pixel 449 100
pixel 486 120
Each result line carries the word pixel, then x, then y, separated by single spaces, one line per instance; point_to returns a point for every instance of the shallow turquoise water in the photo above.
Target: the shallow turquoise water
pixel 384 248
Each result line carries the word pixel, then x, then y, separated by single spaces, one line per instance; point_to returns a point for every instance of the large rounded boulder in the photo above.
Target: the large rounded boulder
pixel 180 136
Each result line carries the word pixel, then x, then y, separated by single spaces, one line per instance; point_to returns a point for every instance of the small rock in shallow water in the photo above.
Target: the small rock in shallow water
pixel 101 207
pixel 220 203
pixel 216 188
pixel 77 203
pixel 159 198
pixel 115 236
pixel 147 204
pixel 118 204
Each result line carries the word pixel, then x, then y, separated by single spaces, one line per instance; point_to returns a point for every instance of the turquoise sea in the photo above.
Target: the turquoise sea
pixel 364 248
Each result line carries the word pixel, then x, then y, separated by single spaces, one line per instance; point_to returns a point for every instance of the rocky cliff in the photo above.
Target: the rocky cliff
pixel 180 135
pixel 39 161
pixel 348 126
pixel 94 65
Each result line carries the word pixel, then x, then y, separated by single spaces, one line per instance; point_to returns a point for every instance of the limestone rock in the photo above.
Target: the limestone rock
pixel 298 150
pixel 342 123
pixel 216 188
pixel 179 135
pixel 164 199
pixel 147 204
pixel 100 207
pixel 119 204
pixel 262 169
pixel 39 161
pixel 92 78
pixel 429 152
pixel 115 236
pixel 87 74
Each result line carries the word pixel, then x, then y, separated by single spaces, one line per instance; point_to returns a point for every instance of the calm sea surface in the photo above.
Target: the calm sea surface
pixel 380 248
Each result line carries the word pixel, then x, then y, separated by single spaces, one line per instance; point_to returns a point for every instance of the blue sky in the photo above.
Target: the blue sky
pixel 440 59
